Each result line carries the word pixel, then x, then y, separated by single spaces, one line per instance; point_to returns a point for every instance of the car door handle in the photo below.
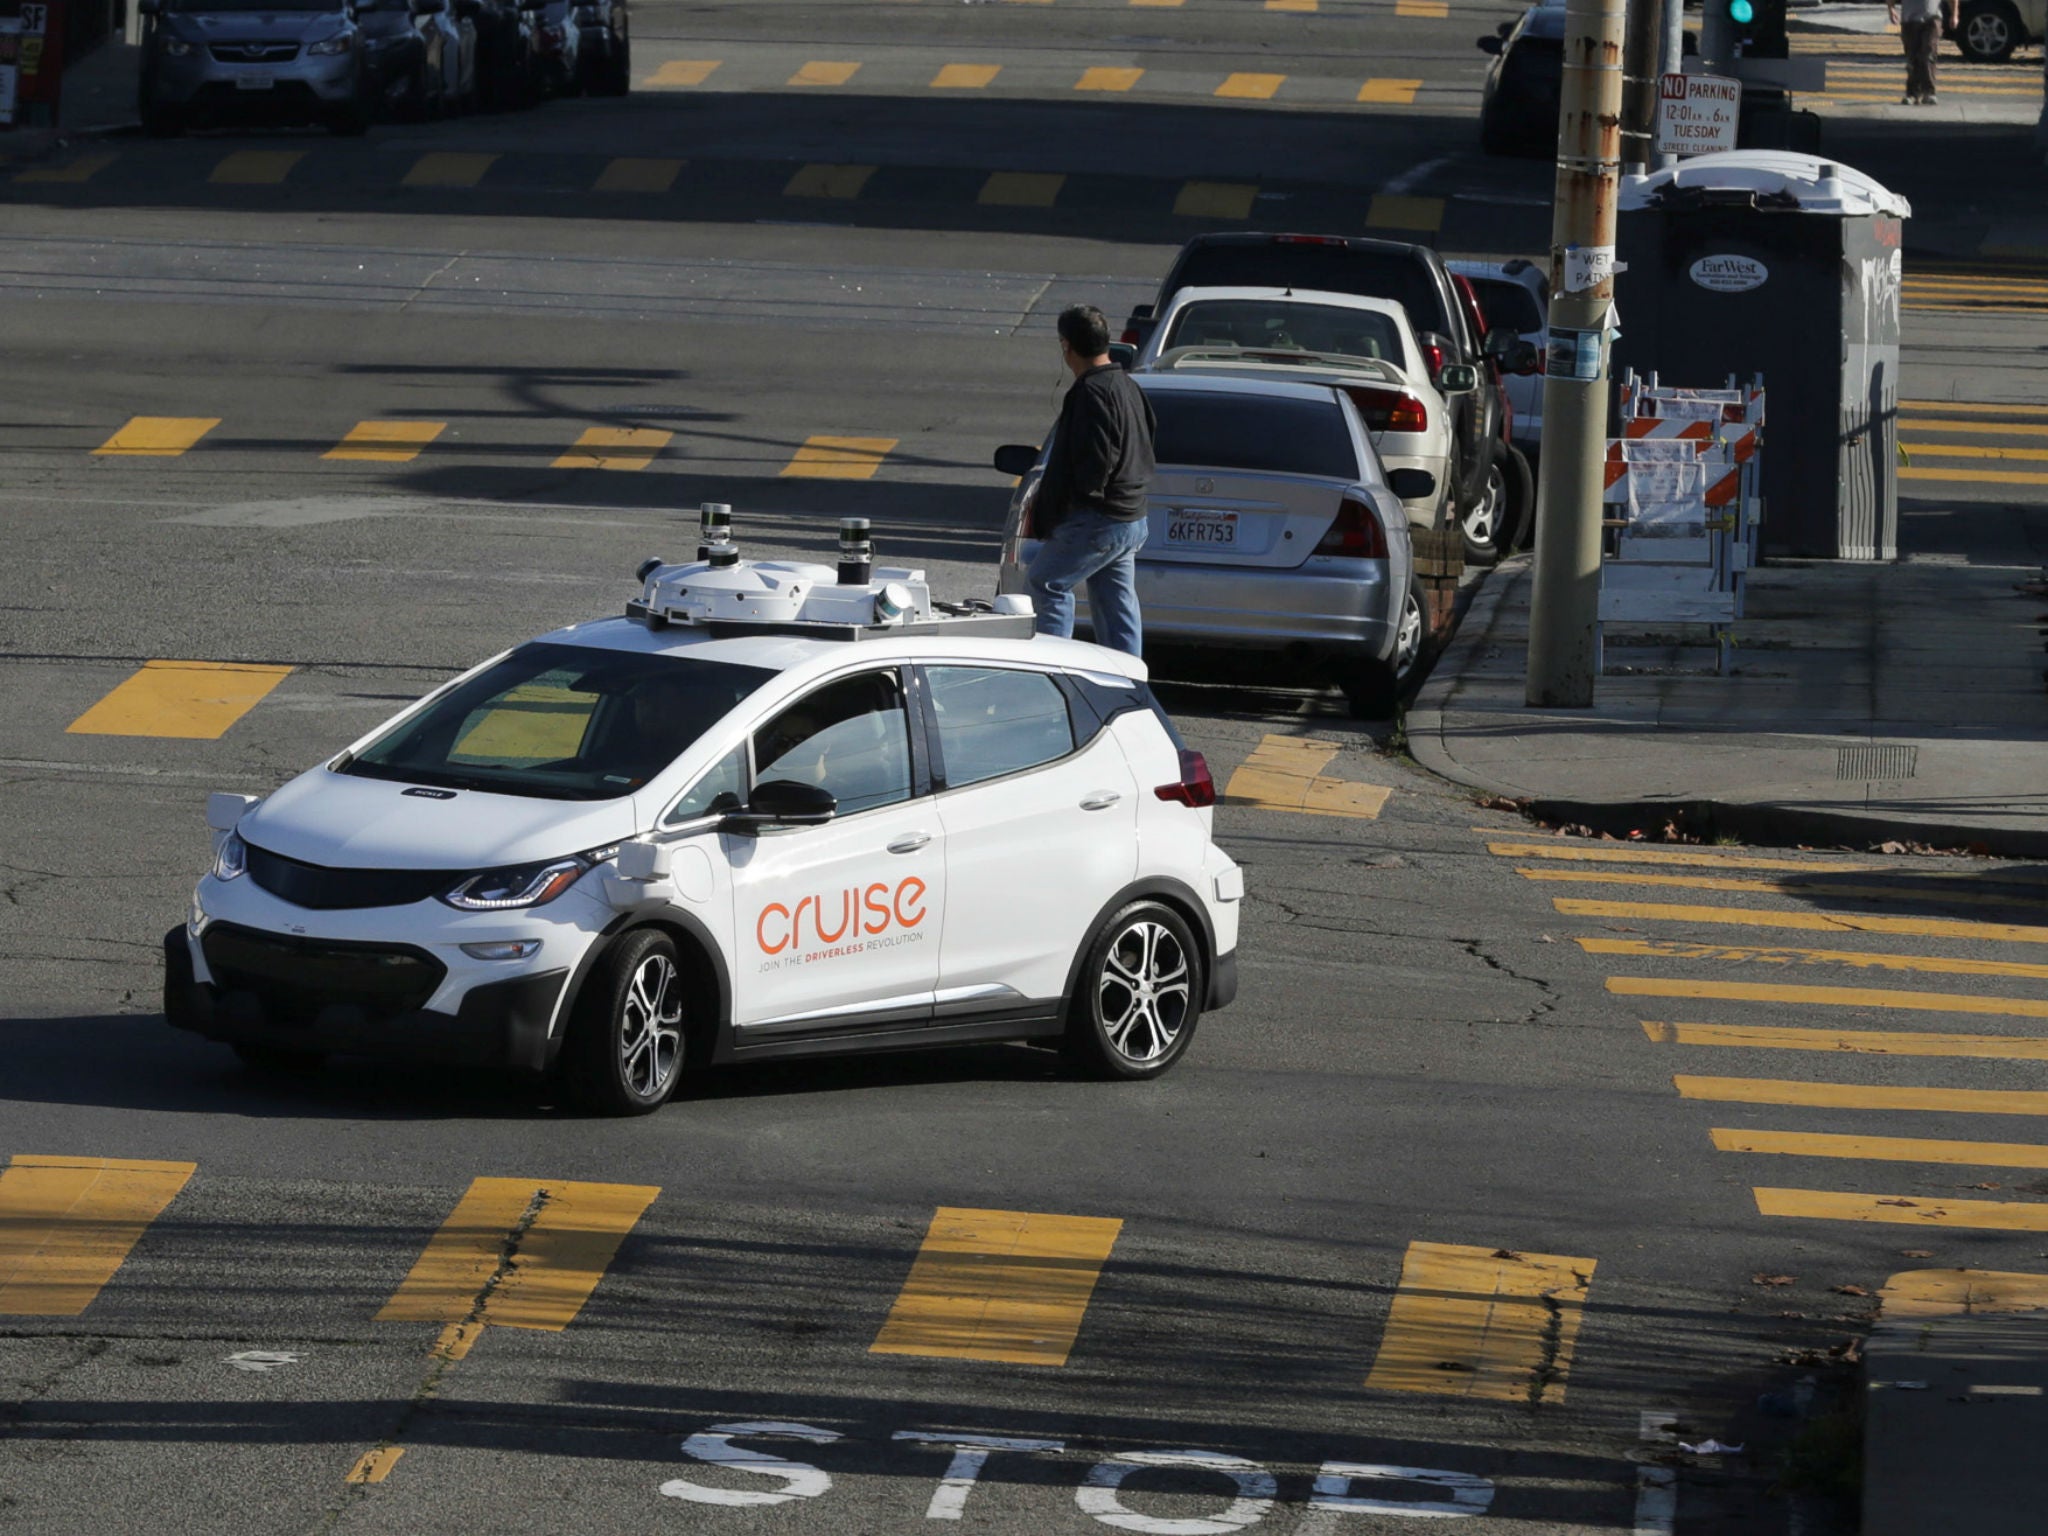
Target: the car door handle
pixel 1101 800
pixel 910 842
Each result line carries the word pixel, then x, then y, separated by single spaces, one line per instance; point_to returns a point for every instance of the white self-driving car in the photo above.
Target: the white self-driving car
pixel 775 810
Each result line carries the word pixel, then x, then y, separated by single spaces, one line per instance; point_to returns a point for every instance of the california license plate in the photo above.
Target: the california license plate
pixel 262 82
pixel 1201 530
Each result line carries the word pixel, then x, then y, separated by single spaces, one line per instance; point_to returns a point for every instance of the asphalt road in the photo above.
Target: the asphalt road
pixel 1441 1037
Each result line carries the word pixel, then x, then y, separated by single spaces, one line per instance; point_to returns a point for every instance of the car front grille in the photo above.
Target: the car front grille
pixel 295 979
pixel 321 889
pixel 255 53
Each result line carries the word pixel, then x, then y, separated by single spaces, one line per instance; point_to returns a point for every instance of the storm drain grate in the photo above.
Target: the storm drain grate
pixel 1876 762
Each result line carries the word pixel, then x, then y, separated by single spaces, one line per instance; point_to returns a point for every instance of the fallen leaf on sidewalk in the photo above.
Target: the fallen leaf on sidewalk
pixel 1980 1186
pixel 1899 1202
pixel 1501 803
pixel 1848 1290
pixel 1916 1253
pixel 1763 1279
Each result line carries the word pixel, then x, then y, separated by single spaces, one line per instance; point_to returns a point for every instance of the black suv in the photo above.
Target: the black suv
pixel 1413 276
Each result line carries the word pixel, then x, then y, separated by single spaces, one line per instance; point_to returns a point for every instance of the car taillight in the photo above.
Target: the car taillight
pixel 1195 788
pixel 1356 532
pixel 1433 355
pixel 1390 410
pixel 1130 337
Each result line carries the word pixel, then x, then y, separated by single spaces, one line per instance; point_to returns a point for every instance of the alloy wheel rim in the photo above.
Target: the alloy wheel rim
pixel 1986 32
pixel 651 1027
pixel 1479 522
pixel 1408 636
pixel 1143 991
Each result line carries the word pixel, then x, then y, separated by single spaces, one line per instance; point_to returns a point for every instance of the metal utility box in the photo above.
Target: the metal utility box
pixel 1785 265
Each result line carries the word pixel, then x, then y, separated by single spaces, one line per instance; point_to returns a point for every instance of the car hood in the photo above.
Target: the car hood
pixel 257 26
pixel 343 822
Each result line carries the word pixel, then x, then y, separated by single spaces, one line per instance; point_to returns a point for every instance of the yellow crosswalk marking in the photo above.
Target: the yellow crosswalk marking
pixel 1291 5
pixel 1482 1322
pixel 517 1253
pixel 1863 959
pixel 1868 1042
pixel 628 174
pixel 1285 773
pixel 615 448
pixel 824 72
pixel 965 77
pixel 1247 86
pixel 67 1224
pixel 1884 1149
pixel 1635 853
pixel 1919 450
pixel 1997 428
pixel 1980 476
pixel 678 72
pixel 1829 997
pixel 1160 4
pixel 375 1465
pixel 1215 200
pixel 157 437
pixel 1391 211
pixel 448 168
pixel 255 167
pixel 1819 922
pixel 1923 1293
pixel 70 173
pixel 1107 79
pixel 1953 407
pixel 1396 93
pixel 838 458
pixel 1786 886
pixel 1021 189
pixel 182 700
pixel 1783 1091
pixel 999 1285
pixel 839 181
pixel 1827 1205
pixel 386 442
pixel 1425 10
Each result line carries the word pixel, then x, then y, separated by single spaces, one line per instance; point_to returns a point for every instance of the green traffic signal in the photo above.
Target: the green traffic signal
pixel 1741 12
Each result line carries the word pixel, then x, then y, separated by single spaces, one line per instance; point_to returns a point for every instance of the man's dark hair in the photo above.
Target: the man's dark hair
pixel 1085 329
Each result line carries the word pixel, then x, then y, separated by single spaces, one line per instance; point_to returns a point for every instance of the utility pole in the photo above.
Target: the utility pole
pixel 1639 86
pixel 1566 606
pixel 1670 61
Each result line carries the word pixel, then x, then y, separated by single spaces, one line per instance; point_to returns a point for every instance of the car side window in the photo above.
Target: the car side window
pixel 850 738
pixel 996 720
pixel 722 788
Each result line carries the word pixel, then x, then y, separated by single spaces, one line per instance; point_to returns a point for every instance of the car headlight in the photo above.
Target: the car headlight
pixel 231 858
pixel 327 47
pixel 177 47
pixel 524 885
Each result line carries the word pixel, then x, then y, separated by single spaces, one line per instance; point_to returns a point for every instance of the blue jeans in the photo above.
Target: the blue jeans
pixel 1104 553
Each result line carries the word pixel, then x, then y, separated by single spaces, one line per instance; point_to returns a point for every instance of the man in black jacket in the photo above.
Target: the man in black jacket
pixel 1090 510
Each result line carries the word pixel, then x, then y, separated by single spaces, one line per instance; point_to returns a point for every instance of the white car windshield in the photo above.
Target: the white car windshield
pixel 560 722
pixel 1286 325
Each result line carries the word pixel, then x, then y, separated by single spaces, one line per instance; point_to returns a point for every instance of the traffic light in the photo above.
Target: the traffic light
pixel 1757 29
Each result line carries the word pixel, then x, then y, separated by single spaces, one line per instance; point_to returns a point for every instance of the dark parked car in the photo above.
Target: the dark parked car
pixel 1415 277
pixel 584 47
pixel 222 61
pixel 1518 112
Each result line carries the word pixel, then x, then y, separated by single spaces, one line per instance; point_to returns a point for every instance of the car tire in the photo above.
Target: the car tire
pixel 277 1060
pixel 624 1053
pixel 1376 688
pixel 1484 520
pixel 1139 994
pixel 1989 31
pixel 618 75
pixel 1521 528
pixel 1494 138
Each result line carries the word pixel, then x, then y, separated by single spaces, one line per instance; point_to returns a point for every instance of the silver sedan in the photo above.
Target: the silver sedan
pixel 1273 528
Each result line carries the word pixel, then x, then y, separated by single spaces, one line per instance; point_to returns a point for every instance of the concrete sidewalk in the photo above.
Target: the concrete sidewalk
pixel 1865 704
pixel 99 98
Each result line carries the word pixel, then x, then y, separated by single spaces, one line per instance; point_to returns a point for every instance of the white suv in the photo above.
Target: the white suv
pixel 767 813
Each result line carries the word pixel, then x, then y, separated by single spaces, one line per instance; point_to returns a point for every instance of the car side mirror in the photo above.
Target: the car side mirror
pixel 1492 44
pixel 1498 343
pixel 223 809
pixel 1017 459
pixel 784 803
pixel 1525 359
pixel 1123 354
pixel 1411 484
pixel 1457 379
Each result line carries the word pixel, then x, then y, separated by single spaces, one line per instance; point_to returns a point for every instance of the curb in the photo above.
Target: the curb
pixel 1754 822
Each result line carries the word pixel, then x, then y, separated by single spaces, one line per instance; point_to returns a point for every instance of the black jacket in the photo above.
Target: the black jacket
pixel 1101 458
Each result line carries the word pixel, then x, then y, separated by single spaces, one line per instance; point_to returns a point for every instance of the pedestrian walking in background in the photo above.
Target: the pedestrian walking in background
pixel 1919 23
pixel 1089 514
